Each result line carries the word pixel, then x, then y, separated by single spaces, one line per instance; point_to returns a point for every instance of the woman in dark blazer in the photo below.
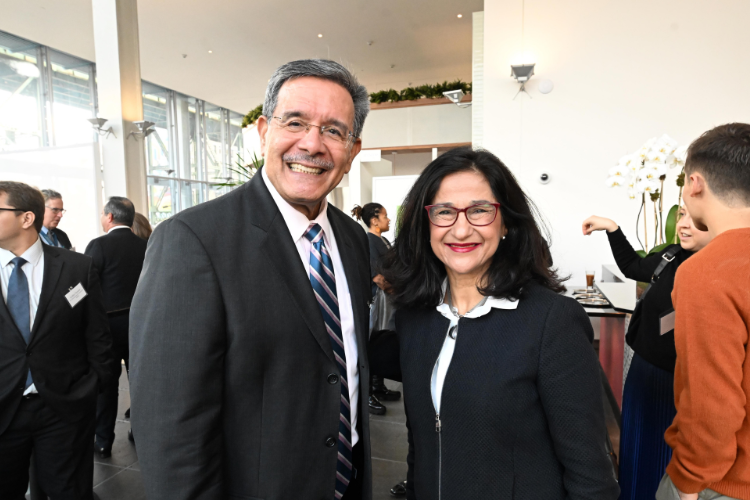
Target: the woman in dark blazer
pixel 501 384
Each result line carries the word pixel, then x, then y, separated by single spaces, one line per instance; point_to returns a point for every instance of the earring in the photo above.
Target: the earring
pixel 503 237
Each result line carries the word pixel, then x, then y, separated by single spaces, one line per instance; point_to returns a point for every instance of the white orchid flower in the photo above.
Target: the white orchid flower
pixel 647 186
pixel 615 181
pixel 656 156
pixel 632 193
pixel 618 171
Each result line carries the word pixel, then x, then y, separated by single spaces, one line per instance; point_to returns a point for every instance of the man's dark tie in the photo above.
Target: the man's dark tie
pixel 18 303
pixel 324 286
pixel 50 238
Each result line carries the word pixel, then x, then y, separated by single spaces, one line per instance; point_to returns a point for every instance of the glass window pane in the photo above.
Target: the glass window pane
pixel 214 143
pixel 20 95
pixel 214 192
pixel 155 105
pixel 187 136
pixel 73 101
pixel 235 140
pixel 161 199
pixel 193 193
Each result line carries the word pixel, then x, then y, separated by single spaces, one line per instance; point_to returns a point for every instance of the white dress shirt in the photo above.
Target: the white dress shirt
pixel 34 271
pixel 298 224
pixel 449 345
pixel 117 227
pixel 48 236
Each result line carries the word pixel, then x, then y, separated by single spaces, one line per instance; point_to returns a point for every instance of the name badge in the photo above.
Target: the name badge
pixel 75 295
pixel 666 323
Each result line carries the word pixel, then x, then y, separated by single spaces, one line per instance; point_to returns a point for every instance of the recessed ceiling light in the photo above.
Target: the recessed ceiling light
pixel 210 51
pixel 460 16
pixel 320 35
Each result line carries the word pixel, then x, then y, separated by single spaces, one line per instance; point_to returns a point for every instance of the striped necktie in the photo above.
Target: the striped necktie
pixel 323 283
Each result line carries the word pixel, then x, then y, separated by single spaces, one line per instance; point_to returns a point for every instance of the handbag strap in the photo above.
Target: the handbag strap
pixel 667 257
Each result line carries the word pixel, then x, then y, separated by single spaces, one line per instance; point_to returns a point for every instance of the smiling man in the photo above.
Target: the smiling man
pixel 249 326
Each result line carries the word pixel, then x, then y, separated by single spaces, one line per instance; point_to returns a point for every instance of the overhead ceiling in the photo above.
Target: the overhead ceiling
pixel 386 43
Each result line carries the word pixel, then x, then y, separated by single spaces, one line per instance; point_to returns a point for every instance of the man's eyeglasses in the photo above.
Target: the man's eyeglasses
pixel 57 211
pixel 481 214
pixel 14 210
pixel 331 134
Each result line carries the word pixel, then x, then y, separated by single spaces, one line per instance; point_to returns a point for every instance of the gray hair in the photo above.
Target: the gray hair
pixel 51 194
pixel 122 210
pixel 319 68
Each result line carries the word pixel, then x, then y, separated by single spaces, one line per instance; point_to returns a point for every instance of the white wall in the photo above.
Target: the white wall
pixel 623 72
pixel 418 125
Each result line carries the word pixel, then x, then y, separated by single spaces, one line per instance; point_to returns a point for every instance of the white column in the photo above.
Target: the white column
pixel 118 69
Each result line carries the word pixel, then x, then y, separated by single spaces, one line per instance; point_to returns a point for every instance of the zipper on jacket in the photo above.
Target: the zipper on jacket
pixel 438 422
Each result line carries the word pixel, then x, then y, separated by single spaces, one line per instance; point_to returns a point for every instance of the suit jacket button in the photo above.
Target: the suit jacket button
pixel 333 379
pixel 330 442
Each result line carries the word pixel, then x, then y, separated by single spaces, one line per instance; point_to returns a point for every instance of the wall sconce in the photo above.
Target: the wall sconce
pixel 144 129
pixel 522 73
pixel 455 97
pixel 98 124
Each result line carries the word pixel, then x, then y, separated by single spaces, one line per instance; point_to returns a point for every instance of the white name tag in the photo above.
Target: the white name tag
pixel 76 295
pixel 666 323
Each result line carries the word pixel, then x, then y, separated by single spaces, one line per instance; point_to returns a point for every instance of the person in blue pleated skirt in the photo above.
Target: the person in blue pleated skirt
pixel 648 396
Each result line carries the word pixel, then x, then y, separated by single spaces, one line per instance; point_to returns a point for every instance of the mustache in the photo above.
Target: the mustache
pixel 303 158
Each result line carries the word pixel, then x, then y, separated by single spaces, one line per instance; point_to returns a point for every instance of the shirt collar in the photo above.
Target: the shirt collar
pixel 295 220
pixel 116 227
pixel 45 230
pixel 31 255
pixel 484 308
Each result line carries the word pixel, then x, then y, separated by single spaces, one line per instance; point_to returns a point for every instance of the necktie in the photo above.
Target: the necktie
pixel 323 282
pixel 50 238
pixel 18 303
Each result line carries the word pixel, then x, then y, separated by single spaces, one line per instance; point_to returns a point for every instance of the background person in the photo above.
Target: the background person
pixel 141 226
pixel 648 396
pixel 53 213
pixel 249 326
pixel 54 354
pixel 376 218
pixel 118 258
pixel 501 383
pixel 710 436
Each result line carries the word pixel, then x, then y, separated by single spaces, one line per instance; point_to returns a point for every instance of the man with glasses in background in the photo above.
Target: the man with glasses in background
pixel 54 355
pixel 51 234
pixel 248 330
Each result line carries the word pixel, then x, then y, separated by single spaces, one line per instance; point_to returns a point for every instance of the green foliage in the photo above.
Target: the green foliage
pixel 641 253
pixel 423 91
pixel 670 228
pixel 253 115
pixel 245 172
pixel 659 248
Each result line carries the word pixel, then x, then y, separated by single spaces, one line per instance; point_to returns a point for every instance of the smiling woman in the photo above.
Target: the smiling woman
pixel 498 369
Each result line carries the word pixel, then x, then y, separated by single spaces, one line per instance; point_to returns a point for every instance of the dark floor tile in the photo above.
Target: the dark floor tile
pixel 102 472
pixel 389 441
pixel 124 486
pixel 385 475
pixel 123 451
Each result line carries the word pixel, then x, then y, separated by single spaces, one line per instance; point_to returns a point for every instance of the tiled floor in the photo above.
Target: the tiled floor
pixel 119 477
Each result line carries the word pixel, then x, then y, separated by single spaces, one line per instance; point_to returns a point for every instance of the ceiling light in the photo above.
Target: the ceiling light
pixel 210 51
pixel 320 35
pixel 460 16
pixel 98 124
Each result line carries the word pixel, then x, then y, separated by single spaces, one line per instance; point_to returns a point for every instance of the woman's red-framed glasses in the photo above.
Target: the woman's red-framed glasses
pixel 481 214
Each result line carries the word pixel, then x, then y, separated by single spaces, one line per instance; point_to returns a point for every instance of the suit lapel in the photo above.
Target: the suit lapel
pixel 52 270
pixel 282 253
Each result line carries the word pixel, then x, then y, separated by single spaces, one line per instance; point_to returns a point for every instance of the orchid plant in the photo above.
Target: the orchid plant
pixel 643 174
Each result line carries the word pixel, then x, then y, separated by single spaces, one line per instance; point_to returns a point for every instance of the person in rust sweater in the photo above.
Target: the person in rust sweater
pixel 710 436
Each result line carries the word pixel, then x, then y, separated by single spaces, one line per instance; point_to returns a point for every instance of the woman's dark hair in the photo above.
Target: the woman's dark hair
pixel 367 213
pixel 414 272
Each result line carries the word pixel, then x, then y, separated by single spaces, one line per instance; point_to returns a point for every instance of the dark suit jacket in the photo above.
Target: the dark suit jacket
pixel 62 237
pixel 118 256
pixel 522 414
pixel 69 349
pixel 230 359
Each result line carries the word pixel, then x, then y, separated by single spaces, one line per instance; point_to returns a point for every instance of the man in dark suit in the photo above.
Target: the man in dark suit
pixel 54 354
pixel 53 213
pixel 118 258
pixel 249 371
